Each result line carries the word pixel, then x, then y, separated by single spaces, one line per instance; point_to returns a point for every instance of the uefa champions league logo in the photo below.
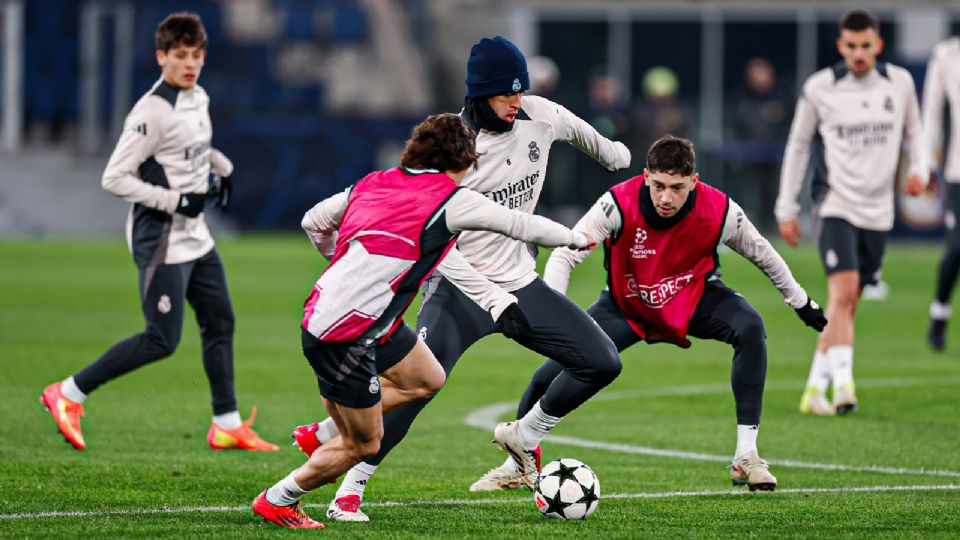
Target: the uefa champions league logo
pixel 516 85
pixel 640 251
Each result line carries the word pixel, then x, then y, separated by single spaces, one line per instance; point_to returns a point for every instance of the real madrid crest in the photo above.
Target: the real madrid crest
pixel 516 85
pixel 534 151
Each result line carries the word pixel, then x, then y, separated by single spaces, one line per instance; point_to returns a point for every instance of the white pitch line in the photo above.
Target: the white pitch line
pixel 487 417
pixel 476 502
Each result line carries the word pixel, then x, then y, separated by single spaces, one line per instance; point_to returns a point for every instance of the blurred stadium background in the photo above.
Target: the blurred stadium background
pixel 309 95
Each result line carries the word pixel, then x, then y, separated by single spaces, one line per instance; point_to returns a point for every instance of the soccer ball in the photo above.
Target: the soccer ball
pixel 567 489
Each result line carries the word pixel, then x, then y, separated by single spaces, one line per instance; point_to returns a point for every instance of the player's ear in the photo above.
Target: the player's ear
pixel 879 45
pixel 161 58
pixel 695 177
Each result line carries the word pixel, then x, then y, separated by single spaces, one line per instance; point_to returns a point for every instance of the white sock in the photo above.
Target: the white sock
pixel 355 481
pixel 230 420
pixel 534 426
pixel 841 364
pixel 939 311
pixel 327 430
pixel 820 372
pixel 70 391
pixel 746 439
pixel 286 491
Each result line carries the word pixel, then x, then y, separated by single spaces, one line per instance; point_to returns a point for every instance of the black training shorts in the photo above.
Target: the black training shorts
pixel 845 247
pixel 347 373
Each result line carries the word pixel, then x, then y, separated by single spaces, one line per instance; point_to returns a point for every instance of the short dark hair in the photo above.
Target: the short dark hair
pixel 858 19
pixel 183 28
pixel 443 142
pixel 672 155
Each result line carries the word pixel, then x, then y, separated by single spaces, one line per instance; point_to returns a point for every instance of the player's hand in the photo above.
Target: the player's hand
pixel 914 185
pixel 513 323
pixel 220 189
pixel 812 315
pixel 790 231
pixel 583 242
pixel 191 204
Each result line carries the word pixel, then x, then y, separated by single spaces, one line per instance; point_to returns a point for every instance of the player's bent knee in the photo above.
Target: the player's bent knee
pixel 159 344
pixel 610 370
pixel 365 449
pixel 434 384
pixel 752 328
pixel 603 368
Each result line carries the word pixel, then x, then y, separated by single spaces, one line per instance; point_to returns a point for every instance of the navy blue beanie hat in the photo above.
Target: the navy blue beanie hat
pixel 496 66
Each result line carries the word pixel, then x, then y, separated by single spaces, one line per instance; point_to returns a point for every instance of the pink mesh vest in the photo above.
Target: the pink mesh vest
pixel 392 235
pixel 656 276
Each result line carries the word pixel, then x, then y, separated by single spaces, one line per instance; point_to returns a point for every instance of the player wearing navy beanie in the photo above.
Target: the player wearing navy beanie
pixel 496 66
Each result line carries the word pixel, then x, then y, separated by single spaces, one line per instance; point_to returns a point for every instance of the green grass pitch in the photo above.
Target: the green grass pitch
pixel 657 437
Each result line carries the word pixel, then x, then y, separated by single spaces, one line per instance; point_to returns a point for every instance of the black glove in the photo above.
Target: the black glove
pixel 191 204
pixel 512 322
pixel 812 315
pixel 219 190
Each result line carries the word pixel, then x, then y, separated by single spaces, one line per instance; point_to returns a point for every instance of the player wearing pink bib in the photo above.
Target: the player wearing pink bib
pixel 661 232
pixel 385 235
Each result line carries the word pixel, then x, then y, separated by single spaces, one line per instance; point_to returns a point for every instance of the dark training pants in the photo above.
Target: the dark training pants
pixel 722 315
pixel 450 323
pixel 162 291
pixel 950 263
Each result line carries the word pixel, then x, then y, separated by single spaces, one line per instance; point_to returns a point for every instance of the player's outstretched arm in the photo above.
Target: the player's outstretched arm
pixel 602 221
pixel 322 221
pixel 740 235
pixel 613 155
pixel 468 210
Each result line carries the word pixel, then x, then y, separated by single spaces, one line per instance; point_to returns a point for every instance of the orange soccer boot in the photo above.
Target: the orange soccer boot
pixel 289 517
pixel 241 438
pixel 65 413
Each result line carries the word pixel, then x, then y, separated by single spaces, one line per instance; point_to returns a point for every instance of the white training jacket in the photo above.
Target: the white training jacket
pixel 739 234
pixel 512 167
pixel 942 83
pixel 165 151
pixel 862 121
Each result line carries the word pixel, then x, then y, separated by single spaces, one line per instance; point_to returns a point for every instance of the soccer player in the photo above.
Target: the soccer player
pixel 393 228
pixel 660 232
pixel 942 83
pixel 494 287
pixel 862 110
pixel 162 165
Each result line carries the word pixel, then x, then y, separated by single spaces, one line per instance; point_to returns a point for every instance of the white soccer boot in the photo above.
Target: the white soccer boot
pixel 506 476
pixel 346 508
pixel 845 399
pixel 814 402
pixel 505 435
pixel 752 471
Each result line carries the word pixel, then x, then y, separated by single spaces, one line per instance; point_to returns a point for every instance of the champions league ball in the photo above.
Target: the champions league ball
pixel 567 489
